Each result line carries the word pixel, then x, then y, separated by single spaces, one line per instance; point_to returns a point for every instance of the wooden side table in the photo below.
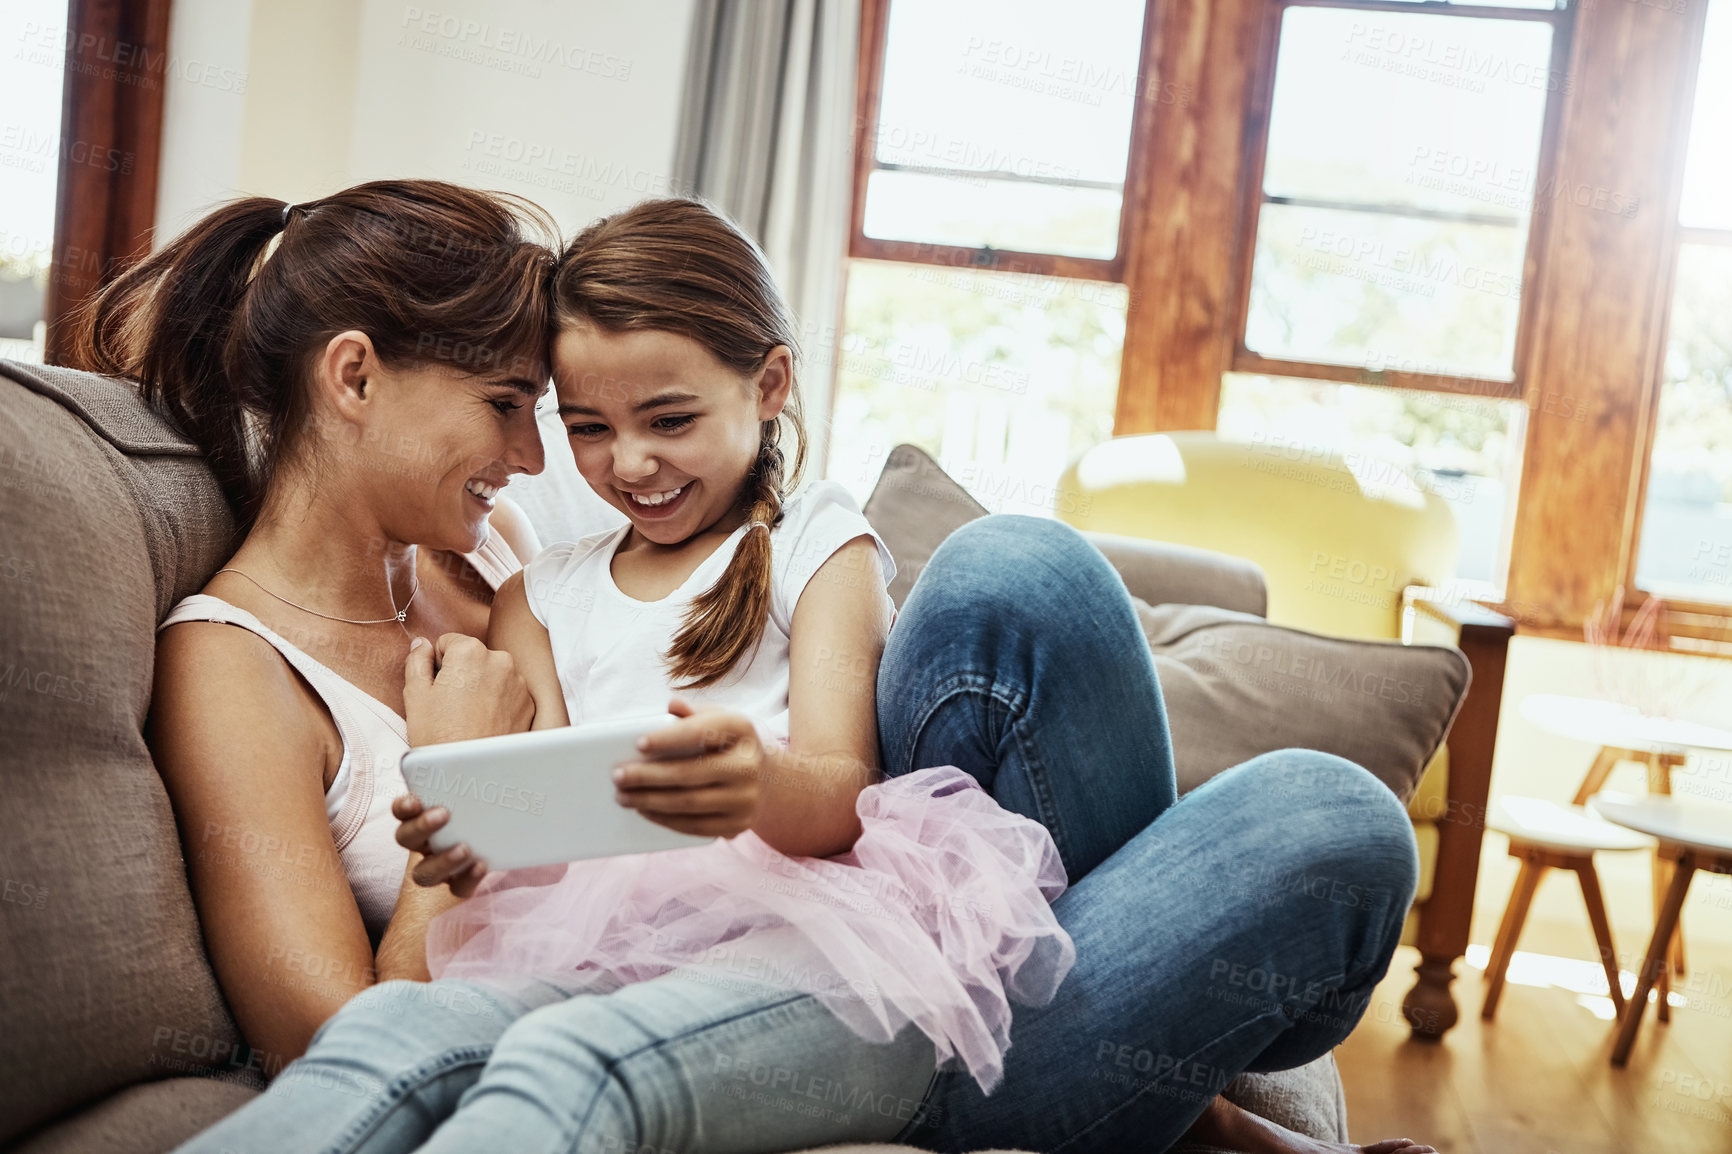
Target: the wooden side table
pixel 1692 838
pixel 1659 743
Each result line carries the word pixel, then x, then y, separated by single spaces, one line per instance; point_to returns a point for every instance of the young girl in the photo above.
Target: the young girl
pixel 800 981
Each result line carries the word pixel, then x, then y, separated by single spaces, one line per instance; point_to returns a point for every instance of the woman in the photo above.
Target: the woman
pixel 382 350
pixel 387 349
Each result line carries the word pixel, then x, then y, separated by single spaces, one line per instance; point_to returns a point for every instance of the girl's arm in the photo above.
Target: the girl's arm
pixel 807 792
pixel 511 629
pixel 709 774
pixel 242 748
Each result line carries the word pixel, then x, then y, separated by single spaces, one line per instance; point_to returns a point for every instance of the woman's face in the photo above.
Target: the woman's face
pixel 660 428
pixel 433 445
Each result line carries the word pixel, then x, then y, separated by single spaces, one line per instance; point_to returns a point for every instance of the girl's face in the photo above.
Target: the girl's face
pixel 660 428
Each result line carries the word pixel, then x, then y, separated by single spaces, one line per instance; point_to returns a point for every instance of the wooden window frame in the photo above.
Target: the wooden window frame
pixel 1596 286
pixel 117 57
pixel 1701 627
pixel 874 36
pixel 1244 359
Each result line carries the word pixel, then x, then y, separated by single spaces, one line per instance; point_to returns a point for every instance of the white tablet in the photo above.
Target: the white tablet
pixel 539 798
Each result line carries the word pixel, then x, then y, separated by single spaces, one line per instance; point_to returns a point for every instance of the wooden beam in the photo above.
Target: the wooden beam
pixel 1185 192
pixel 110 137
pixel 1599 312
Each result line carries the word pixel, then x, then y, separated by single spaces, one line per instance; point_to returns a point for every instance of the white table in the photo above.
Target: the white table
pixel 1692 836
pixel 1623 734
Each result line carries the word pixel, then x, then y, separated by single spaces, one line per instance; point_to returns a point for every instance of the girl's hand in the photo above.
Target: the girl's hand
pixel 457 867
pixel 700 774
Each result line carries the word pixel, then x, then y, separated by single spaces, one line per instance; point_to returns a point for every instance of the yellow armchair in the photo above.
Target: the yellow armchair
pixel 1351 547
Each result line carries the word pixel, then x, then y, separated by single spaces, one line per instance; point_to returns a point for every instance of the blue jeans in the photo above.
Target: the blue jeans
pixel 694 1060
pixel 1242 927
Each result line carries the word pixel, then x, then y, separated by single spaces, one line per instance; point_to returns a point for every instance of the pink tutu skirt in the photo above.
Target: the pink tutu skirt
pixel 939 916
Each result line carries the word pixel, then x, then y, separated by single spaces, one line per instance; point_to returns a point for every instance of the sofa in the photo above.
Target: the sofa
pixel 114 1035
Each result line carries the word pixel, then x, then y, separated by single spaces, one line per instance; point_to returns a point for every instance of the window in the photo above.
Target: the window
pixel 1004 125
pixel 30 91
pixel 1004 377
pixel 1401 174
pixel 984 317
pixel 1686 543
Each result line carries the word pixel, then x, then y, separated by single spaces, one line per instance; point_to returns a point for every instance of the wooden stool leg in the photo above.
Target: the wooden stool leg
pixel 1604 762
pixel 1654 965
pixel 1660 782
pixel 1517 912
pixel 1591 898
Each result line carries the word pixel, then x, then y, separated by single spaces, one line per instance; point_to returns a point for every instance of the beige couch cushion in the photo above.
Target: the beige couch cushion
pixel 149 1116
pixel 1237 686
pixel 103 526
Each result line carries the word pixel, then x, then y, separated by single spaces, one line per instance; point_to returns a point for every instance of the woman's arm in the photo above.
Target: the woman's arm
pixel 243 748
pixel 712 777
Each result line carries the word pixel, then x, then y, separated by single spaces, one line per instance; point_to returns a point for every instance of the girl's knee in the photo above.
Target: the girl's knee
pixel 1016 564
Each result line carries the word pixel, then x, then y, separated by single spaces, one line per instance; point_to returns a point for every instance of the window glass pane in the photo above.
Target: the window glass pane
pixel 1465 449
pixel 1358 288
pixel 1034 93
pixel 1708 172
pixel 974 212
pixel 1005 378
pixel 1401 167
pixel 1686 546
pixel 33 35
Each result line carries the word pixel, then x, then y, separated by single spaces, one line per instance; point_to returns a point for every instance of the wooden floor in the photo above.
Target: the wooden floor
pixel 1538 1079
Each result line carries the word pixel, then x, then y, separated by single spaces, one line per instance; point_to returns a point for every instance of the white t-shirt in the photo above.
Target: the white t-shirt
pixel 610 649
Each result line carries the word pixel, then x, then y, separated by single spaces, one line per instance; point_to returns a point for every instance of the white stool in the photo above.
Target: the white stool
pixel 1546 835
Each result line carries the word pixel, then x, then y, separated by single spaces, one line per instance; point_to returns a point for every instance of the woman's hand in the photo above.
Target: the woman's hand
pixel 459 689
pixel 700 774
pixel 453 691
pixel 457 867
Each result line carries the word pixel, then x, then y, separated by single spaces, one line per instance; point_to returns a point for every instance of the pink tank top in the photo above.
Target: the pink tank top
pixel 375 738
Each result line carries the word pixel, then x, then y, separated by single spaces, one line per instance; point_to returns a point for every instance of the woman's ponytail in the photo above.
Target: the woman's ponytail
pixel 165 322
pixel 221 328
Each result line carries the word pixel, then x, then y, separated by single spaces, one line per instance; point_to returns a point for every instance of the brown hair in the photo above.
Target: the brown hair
pixel 679 266
pixel 220 330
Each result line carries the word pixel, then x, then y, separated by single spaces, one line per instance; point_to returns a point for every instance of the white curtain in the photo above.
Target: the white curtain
pixel 766 134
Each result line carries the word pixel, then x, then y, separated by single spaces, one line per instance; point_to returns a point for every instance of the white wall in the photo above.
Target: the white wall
pixel 572 103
